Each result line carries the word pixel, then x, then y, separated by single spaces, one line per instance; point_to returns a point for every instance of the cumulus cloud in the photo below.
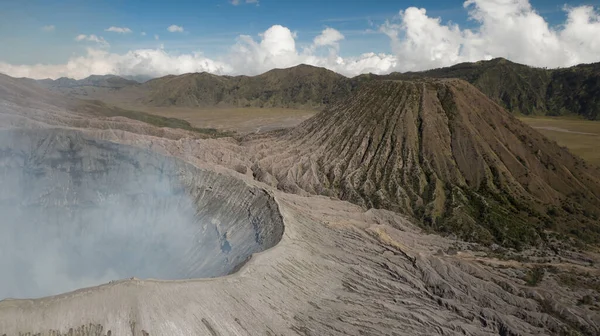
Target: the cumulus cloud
pixel 48 28
pixel 276 48
pixel 503 28
pixel 329 37
pixel 143 33
pixel 151 62
pixel 506 28
pixel 175 29
pixel 119 30
pixel 91 38
pixel 156 37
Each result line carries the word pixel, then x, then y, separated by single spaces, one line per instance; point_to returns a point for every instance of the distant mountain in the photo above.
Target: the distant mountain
pixel 526 90
pixel 301 86
pixel 519 88
pixel 444 153
pixel 105 81
pixel 138 78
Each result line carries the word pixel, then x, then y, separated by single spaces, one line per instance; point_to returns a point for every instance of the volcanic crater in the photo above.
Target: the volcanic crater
pixel 79 212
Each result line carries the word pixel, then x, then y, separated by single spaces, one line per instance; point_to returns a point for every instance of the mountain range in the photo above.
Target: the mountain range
pixel 521 89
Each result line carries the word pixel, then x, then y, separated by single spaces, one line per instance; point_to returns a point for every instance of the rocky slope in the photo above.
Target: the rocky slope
pixel 444 153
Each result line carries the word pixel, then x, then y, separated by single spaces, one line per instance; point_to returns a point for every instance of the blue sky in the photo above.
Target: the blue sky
pixel 210 26
pixel 213 26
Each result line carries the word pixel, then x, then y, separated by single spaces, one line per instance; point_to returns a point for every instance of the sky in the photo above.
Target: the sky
pixel 73 38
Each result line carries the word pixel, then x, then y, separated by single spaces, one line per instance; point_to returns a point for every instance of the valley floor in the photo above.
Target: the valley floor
pixel 578 135
pixel 240 120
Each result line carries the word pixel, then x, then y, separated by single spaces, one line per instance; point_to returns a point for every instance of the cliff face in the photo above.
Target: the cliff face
pixel 443 152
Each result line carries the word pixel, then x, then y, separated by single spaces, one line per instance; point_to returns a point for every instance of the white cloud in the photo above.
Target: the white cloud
pixel 48 28
pixel 503 28
pixel 328 37
pixel 156 37
pixel 153 62
pixel 276 48
pixel 175 29
pixel 120 30
pixel 92 38
pixel 143 33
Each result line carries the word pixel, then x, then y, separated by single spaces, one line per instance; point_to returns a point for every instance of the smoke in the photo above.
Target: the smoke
pixel 78 213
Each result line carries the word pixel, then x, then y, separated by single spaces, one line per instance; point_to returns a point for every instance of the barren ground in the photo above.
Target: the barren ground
pixel 579 136
pixel 241 120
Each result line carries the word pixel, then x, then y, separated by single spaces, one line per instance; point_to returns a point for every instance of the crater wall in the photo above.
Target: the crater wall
pixel 78 212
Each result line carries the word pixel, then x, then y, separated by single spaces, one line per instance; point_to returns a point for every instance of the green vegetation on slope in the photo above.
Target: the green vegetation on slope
pixel 302 86
pixel 527 90
pixel 521 89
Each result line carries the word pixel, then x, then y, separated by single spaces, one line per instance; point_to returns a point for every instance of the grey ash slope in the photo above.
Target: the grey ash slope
pixel 440 151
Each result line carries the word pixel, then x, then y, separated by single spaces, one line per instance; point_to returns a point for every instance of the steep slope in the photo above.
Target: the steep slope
pixel 519 88
pixel 443 152
pixel 301 86
pixel 575 90
pixel 527 90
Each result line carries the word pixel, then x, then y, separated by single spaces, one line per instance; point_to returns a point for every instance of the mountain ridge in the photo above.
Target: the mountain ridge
pixel 105 81
pixel 525 89
pixel 300 86
pixel 521 89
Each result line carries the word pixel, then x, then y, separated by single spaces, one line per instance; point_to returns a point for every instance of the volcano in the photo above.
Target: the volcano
pixel 443 152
